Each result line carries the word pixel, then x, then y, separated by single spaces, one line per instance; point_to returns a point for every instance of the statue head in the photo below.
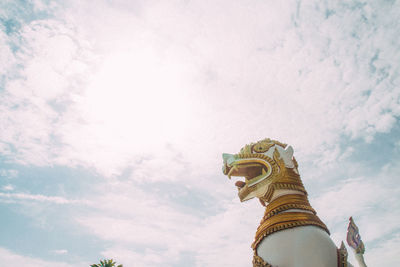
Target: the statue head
pixel 266 165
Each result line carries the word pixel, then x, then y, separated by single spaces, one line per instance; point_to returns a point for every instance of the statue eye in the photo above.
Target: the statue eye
pixel 262 147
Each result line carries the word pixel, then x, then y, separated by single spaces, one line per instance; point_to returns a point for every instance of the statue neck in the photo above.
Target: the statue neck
pixel 282 192
pixel 288 209
pixel 288 201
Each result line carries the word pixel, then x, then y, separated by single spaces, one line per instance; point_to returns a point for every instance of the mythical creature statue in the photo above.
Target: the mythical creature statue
pixel 290 234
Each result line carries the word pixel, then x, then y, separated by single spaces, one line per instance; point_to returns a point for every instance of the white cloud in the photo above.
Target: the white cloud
pixel 8 60
pixel 147 229
pixel 60 251
pixel 54 60
pixel 385 254
pixel 9 259
pixel 297 74
pixel 8 187
pixel 294 90
pixel 146 258
pixel 162 89
pixel 373 203
pixel 139 217
pixel 350 197
pixel 8 173
pixel 37 197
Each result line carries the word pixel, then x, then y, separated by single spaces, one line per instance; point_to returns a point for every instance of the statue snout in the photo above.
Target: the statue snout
pixel 228 160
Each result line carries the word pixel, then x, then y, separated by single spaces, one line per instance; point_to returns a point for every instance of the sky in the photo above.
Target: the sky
pixel 114 116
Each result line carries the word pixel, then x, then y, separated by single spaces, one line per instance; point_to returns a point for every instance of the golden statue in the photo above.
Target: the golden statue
pixel 290 233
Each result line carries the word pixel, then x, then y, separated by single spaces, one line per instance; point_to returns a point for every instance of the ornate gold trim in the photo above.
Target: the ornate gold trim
pixel 342 256
pixel 287 202
pixel 259 262
pixel 261 147
pixel 286 220
pixel 287 185
pixel 280 177
pixel 286 178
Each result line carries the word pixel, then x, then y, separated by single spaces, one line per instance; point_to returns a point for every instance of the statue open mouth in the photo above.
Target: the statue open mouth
pixel 252 172
pixel 253 169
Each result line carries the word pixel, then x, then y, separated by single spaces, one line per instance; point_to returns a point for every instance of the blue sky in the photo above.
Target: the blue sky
pixel 114 117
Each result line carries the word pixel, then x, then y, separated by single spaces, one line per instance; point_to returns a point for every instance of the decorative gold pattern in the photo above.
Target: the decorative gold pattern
pixel 354 237
pixel 262 146
pixel 286 220
pixel 342 256
pixel 296 165
pixel 287 185
pixel 275 175
pixel 263 156
pixel 281 178
pixel 287 202
pixel 286 178
pixel 259 262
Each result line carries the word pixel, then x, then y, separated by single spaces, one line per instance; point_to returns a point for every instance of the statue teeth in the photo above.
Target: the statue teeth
pixel 234 168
